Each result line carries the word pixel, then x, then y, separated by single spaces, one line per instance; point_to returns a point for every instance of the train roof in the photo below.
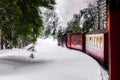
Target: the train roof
pixel 75 33
pixel 97 31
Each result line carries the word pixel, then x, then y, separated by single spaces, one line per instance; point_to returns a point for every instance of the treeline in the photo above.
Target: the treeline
pixel 21 22
pixel 92 18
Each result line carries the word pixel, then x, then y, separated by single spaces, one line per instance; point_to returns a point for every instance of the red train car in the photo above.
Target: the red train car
pixel 97 44
pixel 94 43
pixel 76 41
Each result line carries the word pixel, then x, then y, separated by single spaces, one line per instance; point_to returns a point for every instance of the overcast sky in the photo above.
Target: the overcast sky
pixel 66 9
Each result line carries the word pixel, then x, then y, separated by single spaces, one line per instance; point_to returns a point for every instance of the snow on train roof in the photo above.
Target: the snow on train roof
pixel 97 31
pixel 74 33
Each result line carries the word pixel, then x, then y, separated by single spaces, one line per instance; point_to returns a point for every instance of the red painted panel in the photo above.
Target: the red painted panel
pixel 68 40
pixel 76 41
pixel 114 45
pixel 96 52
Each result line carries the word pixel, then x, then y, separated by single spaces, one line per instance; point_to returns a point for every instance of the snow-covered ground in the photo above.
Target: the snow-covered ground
pixel 51 62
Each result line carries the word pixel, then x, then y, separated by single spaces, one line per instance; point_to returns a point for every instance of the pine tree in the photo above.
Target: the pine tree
pixel 74 24
pixel 20 20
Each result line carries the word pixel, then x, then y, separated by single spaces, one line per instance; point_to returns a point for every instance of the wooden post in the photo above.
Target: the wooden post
pixel 114 46
pixel 114 36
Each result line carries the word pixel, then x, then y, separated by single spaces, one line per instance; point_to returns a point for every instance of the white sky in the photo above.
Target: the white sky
pixel 66 9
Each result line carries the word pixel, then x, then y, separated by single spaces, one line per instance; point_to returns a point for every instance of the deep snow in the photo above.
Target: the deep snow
pixel 51 62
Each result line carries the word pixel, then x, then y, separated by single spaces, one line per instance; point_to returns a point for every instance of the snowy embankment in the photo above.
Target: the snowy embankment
pixel 51 62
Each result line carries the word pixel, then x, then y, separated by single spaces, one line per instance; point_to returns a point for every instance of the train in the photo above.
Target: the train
pixel 93 43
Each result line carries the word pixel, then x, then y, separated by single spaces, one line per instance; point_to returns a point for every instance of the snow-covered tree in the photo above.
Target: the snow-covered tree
pixel 51 22
pixel 20 21
pixel 73 24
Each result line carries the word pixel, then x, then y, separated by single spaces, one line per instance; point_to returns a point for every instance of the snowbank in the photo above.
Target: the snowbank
pixel 50 63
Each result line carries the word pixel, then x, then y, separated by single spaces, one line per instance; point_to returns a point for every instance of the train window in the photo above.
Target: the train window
pixel 88 41
pixel 90 38
pixel 101 44
pixel 95 42
pixel 92 41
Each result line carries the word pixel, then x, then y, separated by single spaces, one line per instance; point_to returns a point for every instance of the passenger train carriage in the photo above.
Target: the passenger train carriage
pixel 94 43
pixel 76 41
pixel 97 44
